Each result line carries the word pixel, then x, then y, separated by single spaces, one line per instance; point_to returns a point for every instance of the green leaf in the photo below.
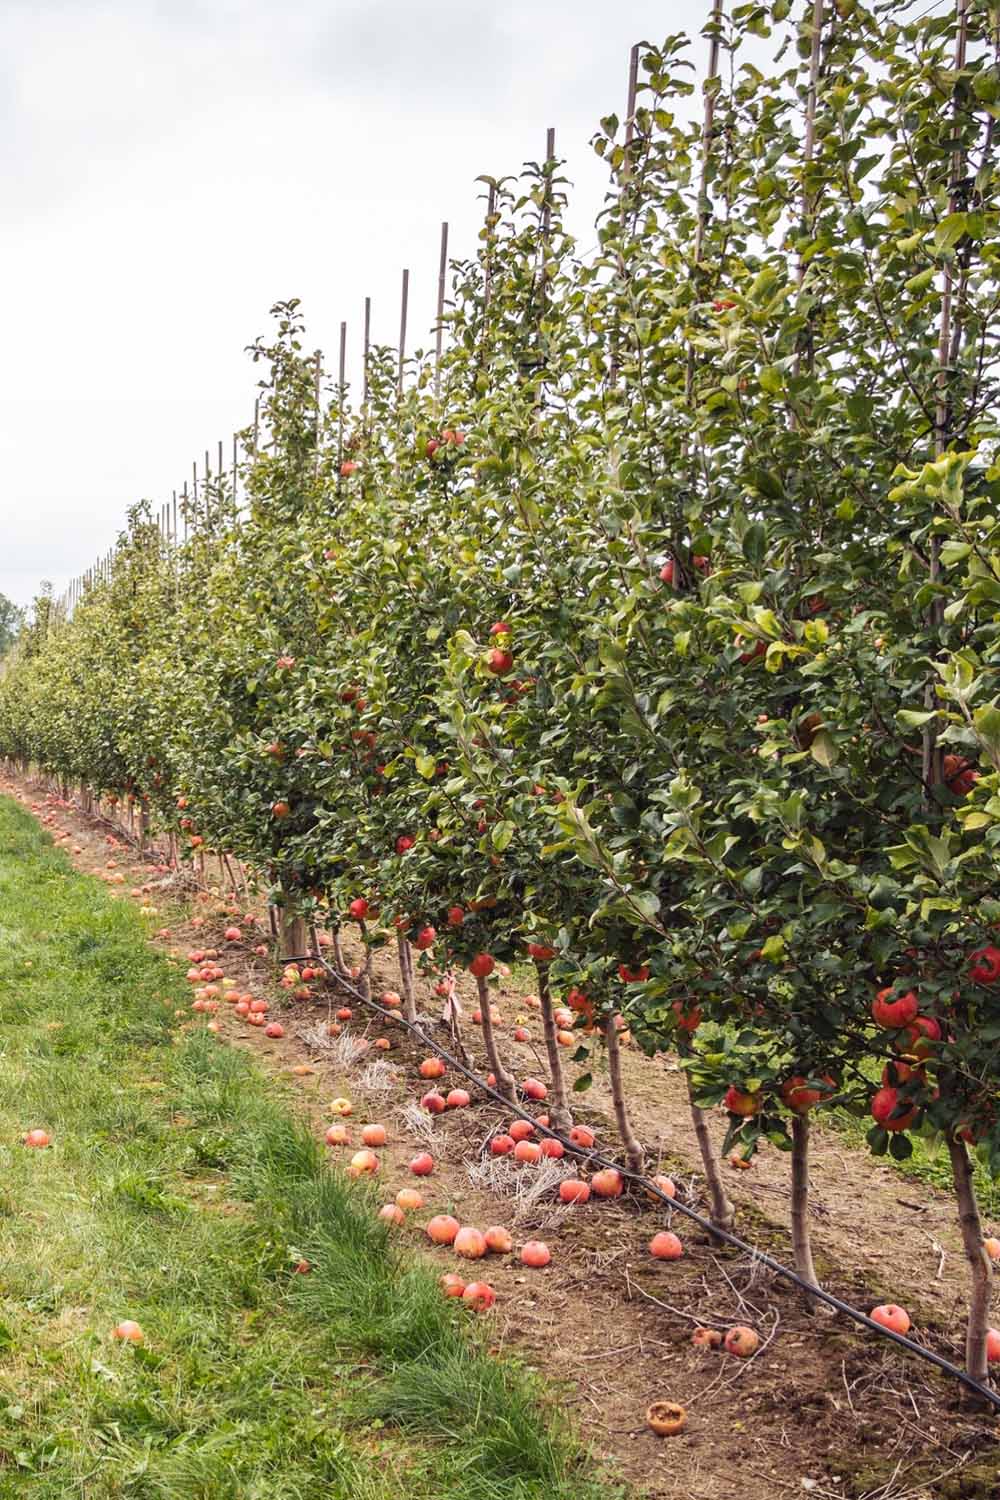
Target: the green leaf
pixel 754 544
pixel 501 836
pixel 986 723
pixel 823 748
pixel 950 231
pixel 582 1084
pixel 913 718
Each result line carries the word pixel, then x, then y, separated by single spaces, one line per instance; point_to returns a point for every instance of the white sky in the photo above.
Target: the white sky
pixel 170 168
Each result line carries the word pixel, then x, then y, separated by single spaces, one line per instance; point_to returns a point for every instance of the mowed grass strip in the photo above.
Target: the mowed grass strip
pixel 179 1191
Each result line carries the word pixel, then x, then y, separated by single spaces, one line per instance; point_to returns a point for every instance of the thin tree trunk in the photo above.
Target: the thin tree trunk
pixel 406 978
pixel 450 1018
pixel 505 1081
pixel 801 1239
pixel 721 1209
pixel 559 1113
pixel 293 933
pixel 634 1153
pixel 338 953
pixel 979 1262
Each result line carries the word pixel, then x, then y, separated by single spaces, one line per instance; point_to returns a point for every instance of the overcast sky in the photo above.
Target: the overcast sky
pixel 173 167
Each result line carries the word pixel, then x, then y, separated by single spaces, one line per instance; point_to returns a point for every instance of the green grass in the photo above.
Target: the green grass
pixel 179 1190
pixel 929 1163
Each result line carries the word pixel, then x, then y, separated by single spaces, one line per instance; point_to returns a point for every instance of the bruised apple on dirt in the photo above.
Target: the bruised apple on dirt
pixel 741 1342
pixel 442 1229
pixel 665 1246
pixel 607 1183
pixel 666 1418
pixel 889 1315
pixel 470 1243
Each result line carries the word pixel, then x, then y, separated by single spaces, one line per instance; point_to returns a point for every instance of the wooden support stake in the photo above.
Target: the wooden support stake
pixel 932 759
pixel 341 392
pixel 318 400
pixel 439 341
pixel 403 306
pixel 368 330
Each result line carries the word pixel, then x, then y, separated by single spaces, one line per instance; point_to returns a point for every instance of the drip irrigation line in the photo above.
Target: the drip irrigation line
pixel 728 1238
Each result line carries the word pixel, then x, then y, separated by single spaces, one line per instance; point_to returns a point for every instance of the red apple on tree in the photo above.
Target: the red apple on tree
pixel 896 1013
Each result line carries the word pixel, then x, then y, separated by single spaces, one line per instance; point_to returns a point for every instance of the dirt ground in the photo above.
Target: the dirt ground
pixel 822 1409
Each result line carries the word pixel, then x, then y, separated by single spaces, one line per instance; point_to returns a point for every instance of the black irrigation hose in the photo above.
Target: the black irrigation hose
pixel 854 1313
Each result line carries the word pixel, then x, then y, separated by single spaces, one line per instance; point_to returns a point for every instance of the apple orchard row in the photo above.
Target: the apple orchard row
pixel 649 637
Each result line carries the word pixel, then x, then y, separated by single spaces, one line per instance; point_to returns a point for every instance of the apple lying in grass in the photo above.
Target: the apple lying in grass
pixel 479 1295
pixel 535 1253
pixel 363 1163
pixel 574 1190
pixel 665 1246
pixel 128 1332
pixel 422 1164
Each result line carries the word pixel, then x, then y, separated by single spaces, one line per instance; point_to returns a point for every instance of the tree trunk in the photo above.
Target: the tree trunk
pixel 634 1153
pixel 505 1081
pixel 721 1209
pixel 560 1115
pixel 338 953
pixel 406 978
pixel 979 1262
pixel 801 1239
pixel 293 933
pixel 450 1018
